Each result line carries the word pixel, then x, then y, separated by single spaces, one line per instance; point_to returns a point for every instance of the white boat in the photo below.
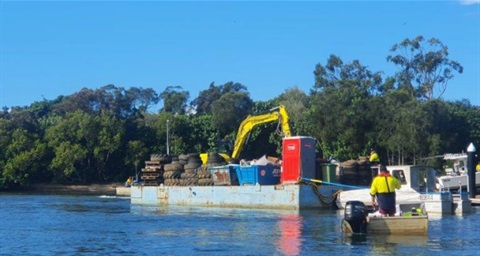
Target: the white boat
pixel 418 187
pixel 457 176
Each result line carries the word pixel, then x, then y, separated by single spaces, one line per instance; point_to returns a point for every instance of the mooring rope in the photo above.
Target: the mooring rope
pixel 322 198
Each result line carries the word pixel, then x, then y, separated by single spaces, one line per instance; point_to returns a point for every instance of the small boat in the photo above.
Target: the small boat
pixel 456 177
pixel 401 225
pixel 358 221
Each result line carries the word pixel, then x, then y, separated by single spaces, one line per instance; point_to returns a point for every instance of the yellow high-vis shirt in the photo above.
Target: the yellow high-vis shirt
pixel 374 158
pixel 384 183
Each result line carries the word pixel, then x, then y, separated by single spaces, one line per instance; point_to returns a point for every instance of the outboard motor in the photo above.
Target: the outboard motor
pixel 356 217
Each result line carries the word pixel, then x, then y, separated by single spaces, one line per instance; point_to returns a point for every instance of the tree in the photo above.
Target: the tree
pixel 297 104
pixel 230 110
pixel 136 151
pixel 427 66
pixel 203 103
pixel 110 137
pixel 24 160
pixel 336 74
pixel 174 101
pixel 340 106
pixel 84 145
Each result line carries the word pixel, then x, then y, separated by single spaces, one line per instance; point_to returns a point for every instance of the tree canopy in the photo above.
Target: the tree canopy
pixel 106 134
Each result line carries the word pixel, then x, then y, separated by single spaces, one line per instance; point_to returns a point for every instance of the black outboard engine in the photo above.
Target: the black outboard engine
pixel 356 217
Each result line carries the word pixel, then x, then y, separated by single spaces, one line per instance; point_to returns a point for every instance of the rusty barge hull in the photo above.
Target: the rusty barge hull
pixel 288 196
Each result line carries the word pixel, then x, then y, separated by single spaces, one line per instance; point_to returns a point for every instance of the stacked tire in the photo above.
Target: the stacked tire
pixel 348 172
pixel 183 159
pixel 204 176
pixel 215 159
pixel 173 173
pixel 189 176
pixel 364 172
pixel 356 172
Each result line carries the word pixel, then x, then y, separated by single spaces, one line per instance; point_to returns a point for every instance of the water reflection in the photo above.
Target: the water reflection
pixel 290 226
pixel 399 239
pixel 354 239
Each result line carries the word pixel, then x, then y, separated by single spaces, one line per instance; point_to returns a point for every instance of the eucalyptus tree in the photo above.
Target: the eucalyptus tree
pixel 425 67
pixel 297 104
pixel 137 99
pixel 403 130
pixel 203 103
pixel 123 103
pixel 229 111
pixel 174 100
pixel 340 113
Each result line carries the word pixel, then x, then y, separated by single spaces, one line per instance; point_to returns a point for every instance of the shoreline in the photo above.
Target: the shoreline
pixel 93 189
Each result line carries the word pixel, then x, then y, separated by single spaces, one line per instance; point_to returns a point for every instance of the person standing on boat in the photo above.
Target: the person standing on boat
pixel 129 181
pixel 383 192
pixel 374 158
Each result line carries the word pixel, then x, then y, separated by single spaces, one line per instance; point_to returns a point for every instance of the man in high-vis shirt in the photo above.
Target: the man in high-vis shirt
pixel 374 158
pixel 383 189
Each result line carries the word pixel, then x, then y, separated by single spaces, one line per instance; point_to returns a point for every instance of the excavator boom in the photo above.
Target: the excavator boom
pixel 275 114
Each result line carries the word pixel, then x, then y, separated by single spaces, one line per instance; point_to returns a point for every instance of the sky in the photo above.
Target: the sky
pixel 49 49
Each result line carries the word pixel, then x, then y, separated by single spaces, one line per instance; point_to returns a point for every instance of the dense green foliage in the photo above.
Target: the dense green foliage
pixel 104 135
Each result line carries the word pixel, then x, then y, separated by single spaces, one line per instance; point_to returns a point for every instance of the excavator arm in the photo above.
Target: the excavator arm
pixel 275 114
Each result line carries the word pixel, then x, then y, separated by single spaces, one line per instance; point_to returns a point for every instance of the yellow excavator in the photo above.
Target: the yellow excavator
pixel 275 114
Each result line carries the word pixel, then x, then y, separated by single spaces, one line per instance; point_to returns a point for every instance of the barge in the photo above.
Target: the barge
pixel 247 186
pixel 286 196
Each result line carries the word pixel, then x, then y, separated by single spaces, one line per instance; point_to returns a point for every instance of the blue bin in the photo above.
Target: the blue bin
pixel 261 174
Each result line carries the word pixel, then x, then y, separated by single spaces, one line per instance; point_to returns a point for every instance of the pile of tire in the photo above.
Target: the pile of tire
pixel 189 177
pixel 183 159
pixel 204 176
pixel 162 158
pixel 356 172
pixel 364 172
pixel 215 159
pixel 348 172
pixel 172 174
pixel 204 173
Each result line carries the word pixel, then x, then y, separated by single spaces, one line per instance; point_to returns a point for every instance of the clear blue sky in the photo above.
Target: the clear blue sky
pixel 56 48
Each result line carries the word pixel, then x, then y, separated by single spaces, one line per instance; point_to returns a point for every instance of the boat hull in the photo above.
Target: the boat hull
pixel 288 196
pixel 413 225
pixel 401 225
pixel 450 182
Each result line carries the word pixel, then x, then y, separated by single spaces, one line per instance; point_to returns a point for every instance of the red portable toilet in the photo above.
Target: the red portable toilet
pixel 298 158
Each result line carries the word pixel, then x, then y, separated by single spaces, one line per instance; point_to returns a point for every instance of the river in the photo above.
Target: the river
pixel 102 225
